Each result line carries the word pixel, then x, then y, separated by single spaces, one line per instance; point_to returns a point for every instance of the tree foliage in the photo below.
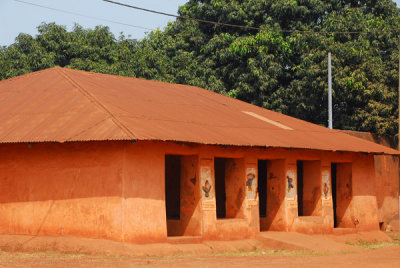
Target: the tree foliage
pixel 285 71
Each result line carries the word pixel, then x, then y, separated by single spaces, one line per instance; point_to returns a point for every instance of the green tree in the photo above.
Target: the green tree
pixel 287 71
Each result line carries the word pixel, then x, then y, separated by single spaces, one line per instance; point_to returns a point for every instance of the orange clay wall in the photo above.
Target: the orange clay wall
pixel 115 190
pixel 62 189
pixel 190 196
pixel 387 191
pixel 99 190
pixel 276 190
pixel 344 184
pixel 235 194
pixel 312 205
pixel 386 181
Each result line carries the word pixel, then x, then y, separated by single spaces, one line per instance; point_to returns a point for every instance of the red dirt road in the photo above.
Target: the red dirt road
pixel 384 257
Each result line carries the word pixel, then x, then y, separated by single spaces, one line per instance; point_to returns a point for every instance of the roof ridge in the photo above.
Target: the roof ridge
pixel 97 103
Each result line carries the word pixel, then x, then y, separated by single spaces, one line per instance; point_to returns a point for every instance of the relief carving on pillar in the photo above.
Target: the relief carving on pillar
pixel 251 184
pixel 206 183
pixel 290 185
pixel 326 185
pixel 207 189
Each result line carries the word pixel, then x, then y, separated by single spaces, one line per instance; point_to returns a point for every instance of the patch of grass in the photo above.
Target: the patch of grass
pixel 394 236
pixel 49 255
pixel 55 259
pixel 348 252
pixel 45 254
pixel 269 252
pixel 374 244
pixel 254 252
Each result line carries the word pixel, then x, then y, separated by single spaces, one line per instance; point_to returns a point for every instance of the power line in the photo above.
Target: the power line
pixel 85 16
pixel 242 26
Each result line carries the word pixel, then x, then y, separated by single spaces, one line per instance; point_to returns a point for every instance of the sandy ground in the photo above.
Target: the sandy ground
pixel 231 254
pixel 384 257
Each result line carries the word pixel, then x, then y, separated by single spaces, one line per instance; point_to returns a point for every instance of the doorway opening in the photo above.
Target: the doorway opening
pixel 333 186
pixel 172 187
pixel 309 195
pixel 229 187
pixel 342 194
pixel 262 187
pixel 181 197
pixel 300 188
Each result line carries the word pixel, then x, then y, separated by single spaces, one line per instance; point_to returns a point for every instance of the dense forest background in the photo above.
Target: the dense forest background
pixel 282 71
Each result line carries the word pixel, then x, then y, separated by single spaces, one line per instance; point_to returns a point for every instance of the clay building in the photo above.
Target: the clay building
pixel 101 156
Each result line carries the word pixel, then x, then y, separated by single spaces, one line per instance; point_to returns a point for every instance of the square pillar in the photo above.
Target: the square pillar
pixel 252 200
pixel 291 208
pixel 208 205
pixel 326 192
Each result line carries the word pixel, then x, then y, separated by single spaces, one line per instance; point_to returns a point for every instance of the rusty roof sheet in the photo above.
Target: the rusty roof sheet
pixel 60 105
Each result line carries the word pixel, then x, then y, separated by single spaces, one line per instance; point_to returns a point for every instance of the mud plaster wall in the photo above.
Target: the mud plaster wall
pixel 99 190
pixel 364 202
pixel 387 188
pixel 190 209
pixel 115 190
pixel 235 188
pixel 386 179
pixel 62 189
pixel 275 219
pixel 143 194
pixel 312 205
pixel 344 195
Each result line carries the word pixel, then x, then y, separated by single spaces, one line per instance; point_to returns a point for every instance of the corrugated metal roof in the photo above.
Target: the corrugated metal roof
pixel 62 105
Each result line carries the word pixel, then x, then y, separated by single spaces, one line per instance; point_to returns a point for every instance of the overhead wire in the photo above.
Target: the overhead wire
pixel 82 15
pixel 194 19
pixel 242 26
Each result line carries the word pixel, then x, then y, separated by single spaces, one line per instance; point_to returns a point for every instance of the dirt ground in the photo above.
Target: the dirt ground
pixel 383 257
pixel 365 254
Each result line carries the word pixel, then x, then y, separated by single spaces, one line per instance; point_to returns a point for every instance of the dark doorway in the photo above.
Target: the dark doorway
pixel 220 193
pixel 181 195
pixel 172 186
pixel 334 191
pixel 262 187
pixel 300 187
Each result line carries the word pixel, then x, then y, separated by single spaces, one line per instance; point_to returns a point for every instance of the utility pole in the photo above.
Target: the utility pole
pixel 398 107
pixel 398 124
pixel 330 120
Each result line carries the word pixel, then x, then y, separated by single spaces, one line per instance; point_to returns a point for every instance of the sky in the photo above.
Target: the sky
pixel 17 17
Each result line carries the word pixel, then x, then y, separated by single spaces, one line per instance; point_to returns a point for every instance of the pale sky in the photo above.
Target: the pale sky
pixel 17 17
